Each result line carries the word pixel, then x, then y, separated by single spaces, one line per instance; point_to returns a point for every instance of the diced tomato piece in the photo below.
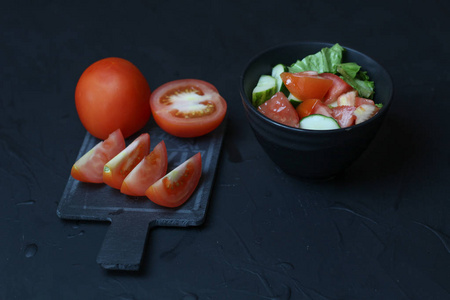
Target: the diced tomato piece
pixel 89 168
pixel 322 109
pixel 347 99
pixel 177 186
pixel 121 165
pixel 360 101
pixel 306 108
pixel 338 88
pixel 344 115
pixel 279 109
pixel 147 172
pixel 306 85
pixel 364 112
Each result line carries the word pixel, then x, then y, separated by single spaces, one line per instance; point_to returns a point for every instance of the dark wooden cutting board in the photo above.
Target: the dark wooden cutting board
pixel 132 217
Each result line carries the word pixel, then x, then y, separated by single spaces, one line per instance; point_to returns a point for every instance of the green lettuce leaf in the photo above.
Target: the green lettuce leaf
pixel 359 80
pixel 324 61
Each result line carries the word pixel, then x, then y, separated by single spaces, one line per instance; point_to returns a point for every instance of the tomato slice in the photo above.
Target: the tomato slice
pixel 187 107
pixel 176 187
pixel 338 87
pixel 306 85
pixel 279 109
pixel 89 168
pixel 115 170
pixel 344 115
pixel 147 172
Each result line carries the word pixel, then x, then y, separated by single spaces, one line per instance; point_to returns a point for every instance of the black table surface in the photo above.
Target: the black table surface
pixel 381 230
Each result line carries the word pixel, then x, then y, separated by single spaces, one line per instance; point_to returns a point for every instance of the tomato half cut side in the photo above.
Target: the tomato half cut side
pixel 177 186
pixel 305 85
pixel 115 170
pixel 147 172
pixel 89 167
pixel 187 107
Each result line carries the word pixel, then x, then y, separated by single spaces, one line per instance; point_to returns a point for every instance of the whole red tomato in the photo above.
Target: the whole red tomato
pixel 112 93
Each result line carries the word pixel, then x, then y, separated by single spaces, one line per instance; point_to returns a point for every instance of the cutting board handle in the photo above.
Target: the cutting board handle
pixel 124 243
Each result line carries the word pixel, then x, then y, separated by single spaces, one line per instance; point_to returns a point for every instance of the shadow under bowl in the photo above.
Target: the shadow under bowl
pixel 314 154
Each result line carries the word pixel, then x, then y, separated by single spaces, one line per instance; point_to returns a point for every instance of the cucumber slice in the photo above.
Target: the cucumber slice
pixel 264 90
pixel 276 71
pixel 294 100
pixel 319 122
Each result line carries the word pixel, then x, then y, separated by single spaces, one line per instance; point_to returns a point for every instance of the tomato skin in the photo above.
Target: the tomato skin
pixel 338 87
pixel 177 186
pixel 306 85
pixel 116 169
pixel 344 115
pixel 112 93
pixel 306 107
pixel 196 118
pixel 147 172
pixel 279 109
pixel 360 101
pixel 89 168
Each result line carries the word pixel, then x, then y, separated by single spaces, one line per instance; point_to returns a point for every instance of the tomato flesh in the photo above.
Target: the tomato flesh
pixel 115 170
pixel 338 87
pixel 279 109
pixel 89 168
pixel 344 115
pixel 306 107
pixel 306 85
pixel 147 172
pixel 187 107
pixel 177 186
pixel 112 93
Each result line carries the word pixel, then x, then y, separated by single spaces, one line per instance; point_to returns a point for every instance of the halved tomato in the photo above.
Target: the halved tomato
pixel 147 172
pixel 177 186
pixel 344 115
pixel 338 88
pixel 115 170
pixel 279 109
pixel 187 107
pixel 306 85
pixel 89 168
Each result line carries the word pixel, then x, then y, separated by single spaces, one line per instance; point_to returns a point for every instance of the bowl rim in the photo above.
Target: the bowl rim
pixel 255 57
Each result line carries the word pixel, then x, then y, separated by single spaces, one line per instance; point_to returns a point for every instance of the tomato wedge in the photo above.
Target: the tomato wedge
pixel 115 170
pixel 147 172
pixel 279 109
pixel 344 115
pixel 338 88
pixel 187 107
pixel 89 168
pixel 306 85
pixel 306 108
pixel 176 187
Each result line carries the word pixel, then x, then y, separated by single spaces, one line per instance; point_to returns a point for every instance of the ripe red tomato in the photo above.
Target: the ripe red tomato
pixel 187 107
pixel 306 85
pixel 89 168
pixel 307 107
pixel 176 187
pixel 338 88
pixel 115 170
pixel 279 109
pixel 344 115
pixel 147 172
pixel 112 93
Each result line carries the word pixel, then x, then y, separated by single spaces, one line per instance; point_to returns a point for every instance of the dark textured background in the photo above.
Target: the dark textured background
pixel 380 231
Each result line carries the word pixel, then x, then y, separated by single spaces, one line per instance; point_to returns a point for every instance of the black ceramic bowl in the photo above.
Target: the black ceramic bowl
pixel 313 153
